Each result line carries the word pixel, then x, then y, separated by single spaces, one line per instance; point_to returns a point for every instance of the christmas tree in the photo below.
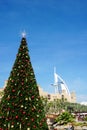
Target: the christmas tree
pixel 21 105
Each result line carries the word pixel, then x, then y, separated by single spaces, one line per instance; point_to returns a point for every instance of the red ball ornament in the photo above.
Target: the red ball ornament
pixel 21 70
pixel 40 124
pixel 8 108
pixel 10 118
pixel 13 103
pixel 24 112
pixel 12 81
pixel 12 123
pixel 22 83
pixel 13 111
pixel 8 98
pixel 30 91
pixel 28 124
pixel 13 90
pixel 32 119
pixel 23 123
pixel 32 109
pixel 43 120
pixel 21 95
pixel 34 126
pixel 32 97
pixel 16 117
pixel 39 110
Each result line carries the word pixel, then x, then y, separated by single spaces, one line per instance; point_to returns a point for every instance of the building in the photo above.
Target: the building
pixel 51 97
pixel 54 96
pixel 61 90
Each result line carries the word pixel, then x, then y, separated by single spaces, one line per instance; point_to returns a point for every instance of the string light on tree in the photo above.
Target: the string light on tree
pixel 21 102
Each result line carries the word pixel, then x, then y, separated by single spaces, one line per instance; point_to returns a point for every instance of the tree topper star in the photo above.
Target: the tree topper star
pixel 24 34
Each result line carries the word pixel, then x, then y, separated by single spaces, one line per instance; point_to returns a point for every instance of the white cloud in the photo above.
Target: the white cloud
pixel 81 98
pixel 83 103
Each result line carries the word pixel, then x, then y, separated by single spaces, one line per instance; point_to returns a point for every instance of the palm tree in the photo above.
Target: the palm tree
pixel 65 118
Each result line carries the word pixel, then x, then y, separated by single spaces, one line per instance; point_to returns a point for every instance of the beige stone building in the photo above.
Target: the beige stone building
pixel 63 95
pixel 70 97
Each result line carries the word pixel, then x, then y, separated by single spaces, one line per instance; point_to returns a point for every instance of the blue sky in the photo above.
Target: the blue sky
pixel 56 36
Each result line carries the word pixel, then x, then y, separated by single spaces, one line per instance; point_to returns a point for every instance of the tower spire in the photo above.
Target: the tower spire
pixel 54 69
